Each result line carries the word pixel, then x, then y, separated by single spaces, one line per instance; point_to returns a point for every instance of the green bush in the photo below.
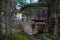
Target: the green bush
pixel 4 37
pixel 19 37
pixel 46 37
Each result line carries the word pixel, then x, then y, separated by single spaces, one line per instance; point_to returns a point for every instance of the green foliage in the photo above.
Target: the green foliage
pixel 19 37
pixel 4 37
pixel 46 37
pixel 3 25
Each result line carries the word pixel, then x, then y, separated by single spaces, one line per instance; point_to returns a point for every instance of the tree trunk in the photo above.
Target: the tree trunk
pixel 52 14
pixel 0 20
pixel 7 19
pixel 0 27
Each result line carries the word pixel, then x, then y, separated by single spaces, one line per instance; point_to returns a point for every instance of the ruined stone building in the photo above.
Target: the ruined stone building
pixel 42 16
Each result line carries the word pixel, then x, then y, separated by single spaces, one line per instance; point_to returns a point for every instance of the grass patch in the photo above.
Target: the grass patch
pixel 19 37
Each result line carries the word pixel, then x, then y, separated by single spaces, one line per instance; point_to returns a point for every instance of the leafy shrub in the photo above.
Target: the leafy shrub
pixel 4 37
pixel 19 37
pixel 47 37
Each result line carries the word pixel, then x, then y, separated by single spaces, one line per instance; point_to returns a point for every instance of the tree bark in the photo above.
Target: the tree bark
pixel 0 20
pixel 52 15
pixel 7 19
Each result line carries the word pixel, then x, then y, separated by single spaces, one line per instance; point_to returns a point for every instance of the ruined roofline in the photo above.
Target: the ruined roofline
pixel 38 4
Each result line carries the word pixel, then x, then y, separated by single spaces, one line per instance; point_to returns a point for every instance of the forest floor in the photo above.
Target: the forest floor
pixel 18 34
